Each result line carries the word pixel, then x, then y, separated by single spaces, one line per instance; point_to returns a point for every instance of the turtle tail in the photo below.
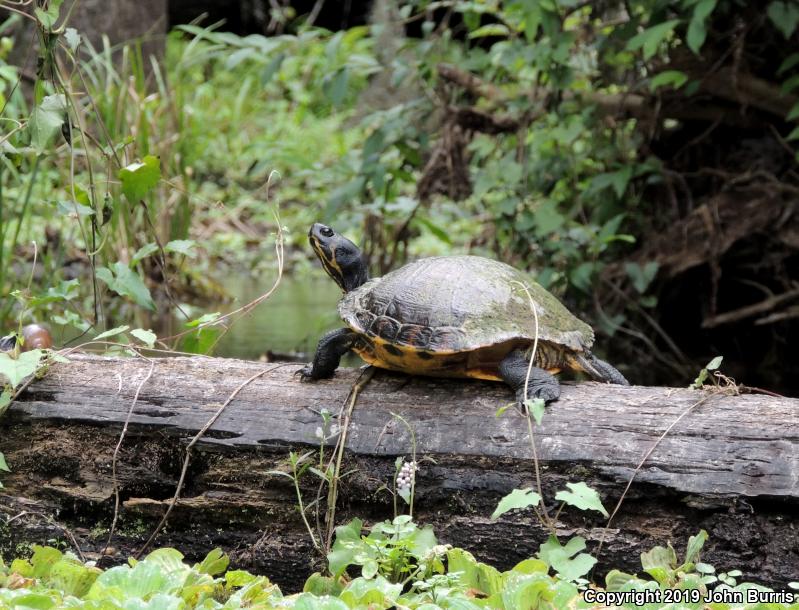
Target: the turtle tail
pixel 596 368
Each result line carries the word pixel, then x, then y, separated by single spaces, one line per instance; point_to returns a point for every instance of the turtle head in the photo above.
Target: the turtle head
pixel 341 258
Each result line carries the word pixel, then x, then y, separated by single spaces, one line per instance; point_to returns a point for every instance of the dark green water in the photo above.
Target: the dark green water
pixel 289 322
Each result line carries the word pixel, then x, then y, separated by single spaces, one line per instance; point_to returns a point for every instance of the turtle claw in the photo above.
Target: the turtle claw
pixel 305 373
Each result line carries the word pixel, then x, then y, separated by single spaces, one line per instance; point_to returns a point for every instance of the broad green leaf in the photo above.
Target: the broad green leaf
pixel 793 112
pixel 348 538
pixel 673 78
pixel 518 498
pixel 582 497
pixel 535 407
pixel 204 319
pixel 369 569
pixel 788 63
pixel 143 252
pixel 147 337
pixel 697 33
pixel 642 275
pixel 659 557
pixel 649 40
pixel 530 566
pixel 785 16
pixel 48 18
pixel 201 341
pixel 111 333
pixel 308 601
pixel 695 544
pixel 615 580
pixel 45 121
pixel 715 363
pixel 182 246
pixel 43 559
pixel 490 29
pixel 475 574
pixel 582 275
pixel 3 464
pixel 15 370
pixel 126 282
pixel 72 577
pixel 215 562
pixel 138 179
pixel 336 87
pixel 321 585
pixel 73 209
pixel 567 560
pixel 73 39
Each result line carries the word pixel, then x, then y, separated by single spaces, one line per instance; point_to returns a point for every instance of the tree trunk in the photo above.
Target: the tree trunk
pixel 729 465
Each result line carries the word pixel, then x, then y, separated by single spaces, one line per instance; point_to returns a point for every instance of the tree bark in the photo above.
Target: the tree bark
pixel 729 465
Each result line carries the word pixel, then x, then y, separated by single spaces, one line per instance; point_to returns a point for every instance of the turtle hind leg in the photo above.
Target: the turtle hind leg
pixel 598 369
pixel 329 351
pixel 513 370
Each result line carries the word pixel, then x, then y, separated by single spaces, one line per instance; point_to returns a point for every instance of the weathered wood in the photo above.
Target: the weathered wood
pixel 731 465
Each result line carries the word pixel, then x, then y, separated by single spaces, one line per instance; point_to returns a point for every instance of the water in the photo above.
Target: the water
pixel 290 322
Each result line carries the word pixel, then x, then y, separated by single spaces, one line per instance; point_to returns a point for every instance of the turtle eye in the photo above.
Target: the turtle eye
pixel 327 232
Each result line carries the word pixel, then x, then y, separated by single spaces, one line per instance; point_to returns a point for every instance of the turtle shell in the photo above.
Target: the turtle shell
pixel 454 304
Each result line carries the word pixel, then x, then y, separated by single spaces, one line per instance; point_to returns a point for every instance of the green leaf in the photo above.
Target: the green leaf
pixel 641 276
pixel 615 580
pixel 369 569
pixel 581 276
pixel 3 464
pixel 138 179
pixel 336 87
pixel 581 496
pixel 518 498
pixel 696 34
pixel 651 38
pixel 15 370
pixel 785 16
pixel 45 121
pixel 536 407
pixel 49 17
pixel 73 209
pixel 272 68
pixel 715 363
pixel 474 574
pixel 43 559
pixel 147 337
pixel 126 282
pixel 348 537
pixel 695 544
pixel 111 333
pixel 793 112
pixel 674 78
pixel 72 577
pixel 567 560
pixel 793 135
pixel 788 63
pixel 181 246
pixel 143 252
pixel 73 39
pixel 491 29
pixel 659 557
pixel 215 562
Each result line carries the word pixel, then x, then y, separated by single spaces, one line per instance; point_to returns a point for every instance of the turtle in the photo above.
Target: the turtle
pixel 452 316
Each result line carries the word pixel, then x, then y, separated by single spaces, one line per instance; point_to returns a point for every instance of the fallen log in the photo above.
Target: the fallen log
pixel 730 465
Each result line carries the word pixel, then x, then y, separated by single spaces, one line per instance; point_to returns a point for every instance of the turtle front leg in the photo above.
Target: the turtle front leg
pixel 328 355
pixel 513 370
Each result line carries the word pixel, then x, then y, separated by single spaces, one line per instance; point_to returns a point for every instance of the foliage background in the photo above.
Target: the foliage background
pixel 638 156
